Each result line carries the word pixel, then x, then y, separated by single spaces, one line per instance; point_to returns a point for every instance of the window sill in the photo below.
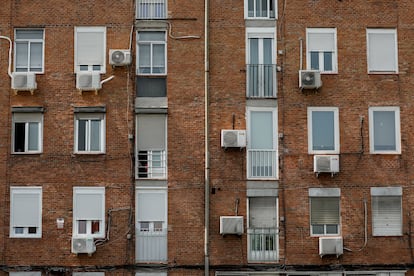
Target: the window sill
pixel 26 153
pixel 26 237
pixel 382 73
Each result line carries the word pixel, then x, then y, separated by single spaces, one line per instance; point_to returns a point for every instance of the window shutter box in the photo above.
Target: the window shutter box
pixel 231 225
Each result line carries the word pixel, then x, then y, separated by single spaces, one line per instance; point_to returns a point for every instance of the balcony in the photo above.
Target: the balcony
pixel 262 164
pixel 151 246
pixel 152 164
pixel 151 9
pixel 263 244
pixel 261 80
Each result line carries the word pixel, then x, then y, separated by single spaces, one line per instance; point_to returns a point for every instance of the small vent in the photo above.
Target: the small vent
pixel 119 57
pixel 309 79
pixel 83 245
pixel 231 225
pixel 233 138
pixel 331 246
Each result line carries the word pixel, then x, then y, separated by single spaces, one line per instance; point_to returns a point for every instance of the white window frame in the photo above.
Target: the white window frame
pixel 27 119
pixel 100 191
pixel 389 193
pixel 397 126
pixel 250 174
pixel 90 117
pixel 336 133
pixel 32 191
pixel 370 68
pixel 268 10
pixel 151 43
pixel 90 67
pixel 29 42
pixel 321 31
pixel 324 193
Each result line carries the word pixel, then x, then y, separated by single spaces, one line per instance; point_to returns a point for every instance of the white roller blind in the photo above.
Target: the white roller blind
pixel 89 204
pixel 386 216
pixel 151 206
pixel 382 51
pixel 324 210
pixel 321 42
pixel 262 212
pixel 90 46
pixel 26 207
pixel 151 131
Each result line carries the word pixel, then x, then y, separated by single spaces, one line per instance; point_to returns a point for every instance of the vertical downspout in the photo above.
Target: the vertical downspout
pixel 206 140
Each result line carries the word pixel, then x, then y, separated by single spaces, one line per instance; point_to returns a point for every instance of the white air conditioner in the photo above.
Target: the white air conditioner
pixel 83 245
pixel 331 246
pixel 119 57
pixel 233 138
pixel 231 225
pixel 88 81
pixel 24 81
pixel 310 79
pixel 326 164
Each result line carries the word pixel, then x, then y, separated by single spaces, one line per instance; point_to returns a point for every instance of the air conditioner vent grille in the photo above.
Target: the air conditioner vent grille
pixel 309 79
pixel 118 57
pixel 233 138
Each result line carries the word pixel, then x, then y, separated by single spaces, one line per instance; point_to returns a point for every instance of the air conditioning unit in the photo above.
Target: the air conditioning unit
pixel 326 164
pixel 119 57
pixel 231 225
pixel 88 81
pixel 83 245
pixel 331 246
pixel 310 79
pixel 24 81
pixel 233 138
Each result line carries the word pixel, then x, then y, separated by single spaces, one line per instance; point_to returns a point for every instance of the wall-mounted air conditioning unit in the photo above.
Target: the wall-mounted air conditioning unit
pixel 83 245
pixel 24 81
pixel 119 57
pixel 326 164
pixel 331 246
pixel 231 138
pixel 88 81
pixel 310 79
pixel 231 225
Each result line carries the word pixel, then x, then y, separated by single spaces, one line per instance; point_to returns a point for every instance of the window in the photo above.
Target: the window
pixel 90 49
pixel 151 146
pixel 151 9
pixel 25 212
pixel 384 130
pixel 386 211
pixel 324 211
pixel 321 49
pixel 29 50
pixel 27 133
pixel 261 64
pixel 151 216
pixel 262 229
pixel 89 132
pixel 151 86
pixel 26 273
pixel 323 130
pixel 262 143
pixel 382 51
pixel 89 212
pixel 260 9
pixel 151 57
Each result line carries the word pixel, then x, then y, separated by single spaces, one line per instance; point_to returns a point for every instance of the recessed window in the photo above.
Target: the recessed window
pixel 382 51
pixel 26 212
pixel 89 133
pixel 27 133
pixel 90 49
pixel 384 130
pixel 151 53
pixel 386 211
pixel 89 211
pixel 324 211
pixel 323 130
pixel 321 49
pixel 29 50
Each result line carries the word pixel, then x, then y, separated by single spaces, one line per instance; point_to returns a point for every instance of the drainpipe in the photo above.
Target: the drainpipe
pixel 10 54
pixel 206 141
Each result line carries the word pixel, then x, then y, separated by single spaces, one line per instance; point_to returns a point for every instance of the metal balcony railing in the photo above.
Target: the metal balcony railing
pixel 151 9
pixel 262 164
pixel 152 164
pixel 261 80
pixel 263 244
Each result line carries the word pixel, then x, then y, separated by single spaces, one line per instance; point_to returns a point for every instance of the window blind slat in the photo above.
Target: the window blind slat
pixel 386 215
pixel 324 210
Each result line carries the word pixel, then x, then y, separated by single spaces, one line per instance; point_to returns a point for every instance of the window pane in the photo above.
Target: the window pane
pixel 95 226
pixel 261 132
pixel 144 58
pixel 267 51
pixel 323 130
pixel 384 130
pixel 318 229
pixel 19 137
pixel 22 54
pixel 151 36
pixel 158 58
pixel 32 230
pixel 332 229
pixel 262 9
pixel 29 34
pixel 327 59
pixel 82 226
pixel 33 136
pixel 95 133
pixel 314 60
pixel 144 226
pixel 81 135
pixel 18 230
pixel 36 50
pixel 250 8
pixel 254 50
